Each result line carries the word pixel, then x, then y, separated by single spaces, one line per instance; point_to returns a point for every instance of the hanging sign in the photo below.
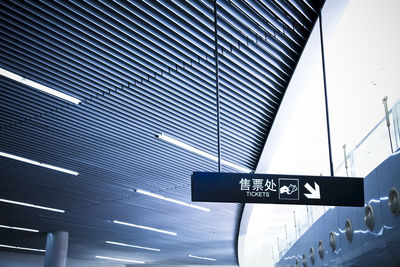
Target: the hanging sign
pixel 278 189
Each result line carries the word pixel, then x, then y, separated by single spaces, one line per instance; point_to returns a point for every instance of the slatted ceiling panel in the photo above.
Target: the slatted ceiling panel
pixel 70 66
pixel 159 39
pixel 248 76
pixel 98 248
pixel 140 69
pixel 232 39
pixel 288 19
pixel 157 11
pixel 31 99
pixel 283 24
pixel 238 14
pixel 232 14
pixel 190 15
pixel 232 97
pixel 13 95
pixel 46 182
pixel 11 216
pixel 122 184
pixel 237 157
pixel 69 124
pixel 59 74
pixel 30 240
pixel 140 170
pixel 166 220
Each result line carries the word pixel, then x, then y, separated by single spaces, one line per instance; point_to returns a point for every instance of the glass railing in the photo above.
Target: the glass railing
pixel 303 218
pixel 373 149
pixel 396 124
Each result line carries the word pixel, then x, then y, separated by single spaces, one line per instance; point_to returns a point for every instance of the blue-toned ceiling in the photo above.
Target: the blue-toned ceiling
pixel 140 68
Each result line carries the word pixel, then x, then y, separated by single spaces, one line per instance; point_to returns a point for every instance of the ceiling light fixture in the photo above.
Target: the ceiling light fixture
pixel 22 248
pixel 33 162
pixel 140 191
pixel 118 259
pixel 145 227
pixel 30 205
pixel 19 228
pixel 38 86
pixel 201 258
pixel 131 246
pixel 200 152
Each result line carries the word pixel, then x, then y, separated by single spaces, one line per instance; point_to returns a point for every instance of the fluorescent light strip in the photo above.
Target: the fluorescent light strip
pixel 33 162
pixel 38 86
pixel 19 228
pixel 22 248
pixel 30 205
pixel 131 246
pixel 201 258
pixel 200 152
pixel 145 227
pixel 171 200
pixel 118 259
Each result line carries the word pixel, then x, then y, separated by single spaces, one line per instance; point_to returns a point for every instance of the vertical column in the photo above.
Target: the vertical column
pixel 56 249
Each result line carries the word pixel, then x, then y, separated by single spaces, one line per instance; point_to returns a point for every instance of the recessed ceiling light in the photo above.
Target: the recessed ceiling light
pixel 201 258
pixel 19 228
pixel 118 259
pixel 38 86
pixel 145 227
pixel 33 162
pixel 200 152
pixel 30 205
pixel 171 200
pixel 22 248
pixel 131 246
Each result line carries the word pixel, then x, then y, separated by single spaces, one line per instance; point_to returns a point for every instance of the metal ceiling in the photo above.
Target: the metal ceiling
pixel 140 68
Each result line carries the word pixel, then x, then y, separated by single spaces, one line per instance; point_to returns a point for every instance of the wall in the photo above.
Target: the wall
pixel 378 245
pixel 296 142
pixel 362 63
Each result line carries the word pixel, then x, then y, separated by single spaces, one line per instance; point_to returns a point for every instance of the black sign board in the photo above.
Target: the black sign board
pixel 278 189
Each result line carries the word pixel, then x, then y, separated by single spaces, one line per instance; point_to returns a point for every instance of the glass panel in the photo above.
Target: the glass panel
pixel 396 124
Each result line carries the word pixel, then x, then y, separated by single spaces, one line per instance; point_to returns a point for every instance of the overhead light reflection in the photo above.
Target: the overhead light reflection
pixel 22 248
pixel 19 228
pixel 118 259
pixel 200 152
pixel 201 258
pixel 30 205
pixel 33 162
pixel 140 191
pixel 131 246
pixel 144 227
pixel 38 86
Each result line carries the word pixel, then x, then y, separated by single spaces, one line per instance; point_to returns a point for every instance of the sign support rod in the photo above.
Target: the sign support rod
pixel 326 95
pixel 345 160
pixel 217 85
pixel 384 101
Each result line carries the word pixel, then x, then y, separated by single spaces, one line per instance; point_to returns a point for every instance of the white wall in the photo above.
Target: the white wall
pixel 8 259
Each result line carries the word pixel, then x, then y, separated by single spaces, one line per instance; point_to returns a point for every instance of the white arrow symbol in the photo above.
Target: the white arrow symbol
pixel 314 192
